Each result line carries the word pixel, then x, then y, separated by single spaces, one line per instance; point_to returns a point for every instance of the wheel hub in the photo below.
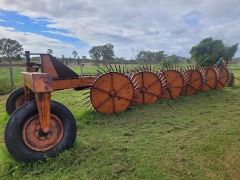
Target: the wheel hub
pixel 112 93
pixel 36 139
pixel 143 89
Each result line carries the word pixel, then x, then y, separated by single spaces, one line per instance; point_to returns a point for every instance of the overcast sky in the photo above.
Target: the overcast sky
pixel 130 25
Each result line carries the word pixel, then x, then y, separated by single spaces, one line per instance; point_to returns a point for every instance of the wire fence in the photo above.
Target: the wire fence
pixel 10 77
pixel 6 77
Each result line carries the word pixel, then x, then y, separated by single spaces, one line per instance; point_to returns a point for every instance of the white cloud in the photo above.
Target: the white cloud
pixel 173 26
pixel 59 33
pixel 36 43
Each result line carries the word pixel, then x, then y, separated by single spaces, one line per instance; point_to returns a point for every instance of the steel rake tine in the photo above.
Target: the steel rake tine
pixel 135 80
pixel 127 71
pixel 138 86
pixel 154 68
pixel 116 69
pixel 136 70
pixel 98 71
pixel 86 102
pixel 103 69
pixel 123 70
pixel 86 93
pixel 87 98
pixel 111 68
pixel 119 68
pixel 147 67
pixel 108 68
pixel 89 105
pixel 144 67
pixel 164 81
pixel 135 84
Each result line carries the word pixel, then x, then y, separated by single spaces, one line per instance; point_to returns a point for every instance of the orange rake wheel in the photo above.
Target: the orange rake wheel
pixel 147 88
pixel 111 93
pixel 174 84
pixel 222 78
pixel 211 79
pixel 193 83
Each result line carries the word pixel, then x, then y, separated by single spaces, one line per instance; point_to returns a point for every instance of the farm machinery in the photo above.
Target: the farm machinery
pixel 40 127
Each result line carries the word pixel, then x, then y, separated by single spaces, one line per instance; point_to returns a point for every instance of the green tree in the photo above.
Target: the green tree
pixel 10 50
pixel 95 54
pixel 166 62
pixel 49 51
pixel 160 56
pixel 188 61
pixel 107 53
pixel 150 56
pixel 145 56
pixel 84 58
pixel 103 53
pixel 229 52
pixel 208 51
pixel 174 59
pixel 75 54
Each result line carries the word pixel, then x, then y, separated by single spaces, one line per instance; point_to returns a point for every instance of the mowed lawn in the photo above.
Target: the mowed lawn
pixel 195 137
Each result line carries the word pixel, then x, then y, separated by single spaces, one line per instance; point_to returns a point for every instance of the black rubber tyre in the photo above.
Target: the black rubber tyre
pixel 14 139
pixel 12 99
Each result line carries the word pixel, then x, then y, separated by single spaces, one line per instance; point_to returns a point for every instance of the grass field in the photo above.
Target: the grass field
pixel 193 137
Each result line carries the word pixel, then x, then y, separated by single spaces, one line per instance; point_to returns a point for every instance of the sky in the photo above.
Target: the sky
pixel 173 26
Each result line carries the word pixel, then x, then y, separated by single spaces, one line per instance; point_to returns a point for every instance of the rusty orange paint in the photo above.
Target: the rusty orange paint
pixel 174 85
pixel 223 78
pixel 35 139
pixel 193 82
pixel 211 79
pixel 37 82
pixel 43 105
pixel 111 93
pixel 81 82
pixel 47 66
pixel 147 88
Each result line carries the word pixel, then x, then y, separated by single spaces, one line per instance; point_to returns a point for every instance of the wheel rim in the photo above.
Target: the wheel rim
pixel 36 140
pixel 175 84
pixel 194 82
pixel 111 93
pixel 223 78
pixel 148 88
pixel 211 79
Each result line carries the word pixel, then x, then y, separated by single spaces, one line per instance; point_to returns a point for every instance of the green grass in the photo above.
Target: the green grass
pixel 193 137
pixel 5 80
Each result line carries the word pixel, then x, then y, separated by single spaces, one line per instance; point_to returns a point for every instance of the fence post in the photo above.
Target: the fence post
pixel 11 75
pixel 81 69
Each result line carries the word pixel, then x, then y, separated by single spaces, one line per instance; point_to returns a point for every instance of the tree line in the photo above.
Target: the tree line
pixel 205 53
